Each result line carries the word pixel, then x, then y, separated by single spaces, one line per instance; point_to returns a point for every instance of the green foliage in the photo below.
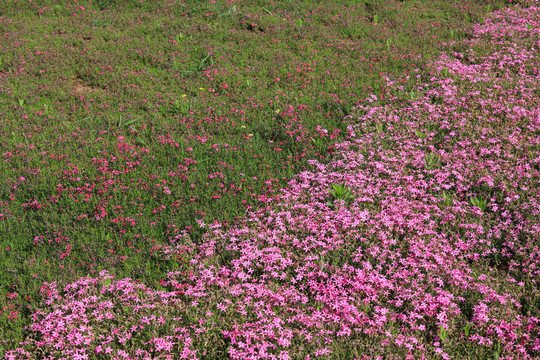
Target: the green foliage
pixel 448 199
pixel 479 203
pixel 443 334
pixel 340 192
pixel 431 160
pixel 497 351
pixel 419 133
pixel 381 128
pixel 203 64
pixel 467 329
pixel 126 123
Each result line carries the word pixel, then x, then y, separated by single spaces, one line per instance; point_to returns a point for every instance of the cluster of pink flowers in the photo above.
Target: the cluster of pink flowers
pixel 436 254
pixel 101 317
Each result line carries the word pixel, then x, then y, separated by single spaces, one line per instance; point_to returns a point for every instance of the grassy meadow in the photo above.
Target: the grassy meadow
pixel 145 146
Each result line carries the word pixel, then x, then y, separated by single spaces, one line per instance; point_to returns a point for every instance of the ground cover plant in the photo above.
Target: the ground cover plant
pixel 407 226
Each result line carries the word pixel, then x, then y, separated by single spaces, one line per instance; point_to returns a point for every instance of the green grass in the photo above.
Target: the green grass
pixel 99 106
